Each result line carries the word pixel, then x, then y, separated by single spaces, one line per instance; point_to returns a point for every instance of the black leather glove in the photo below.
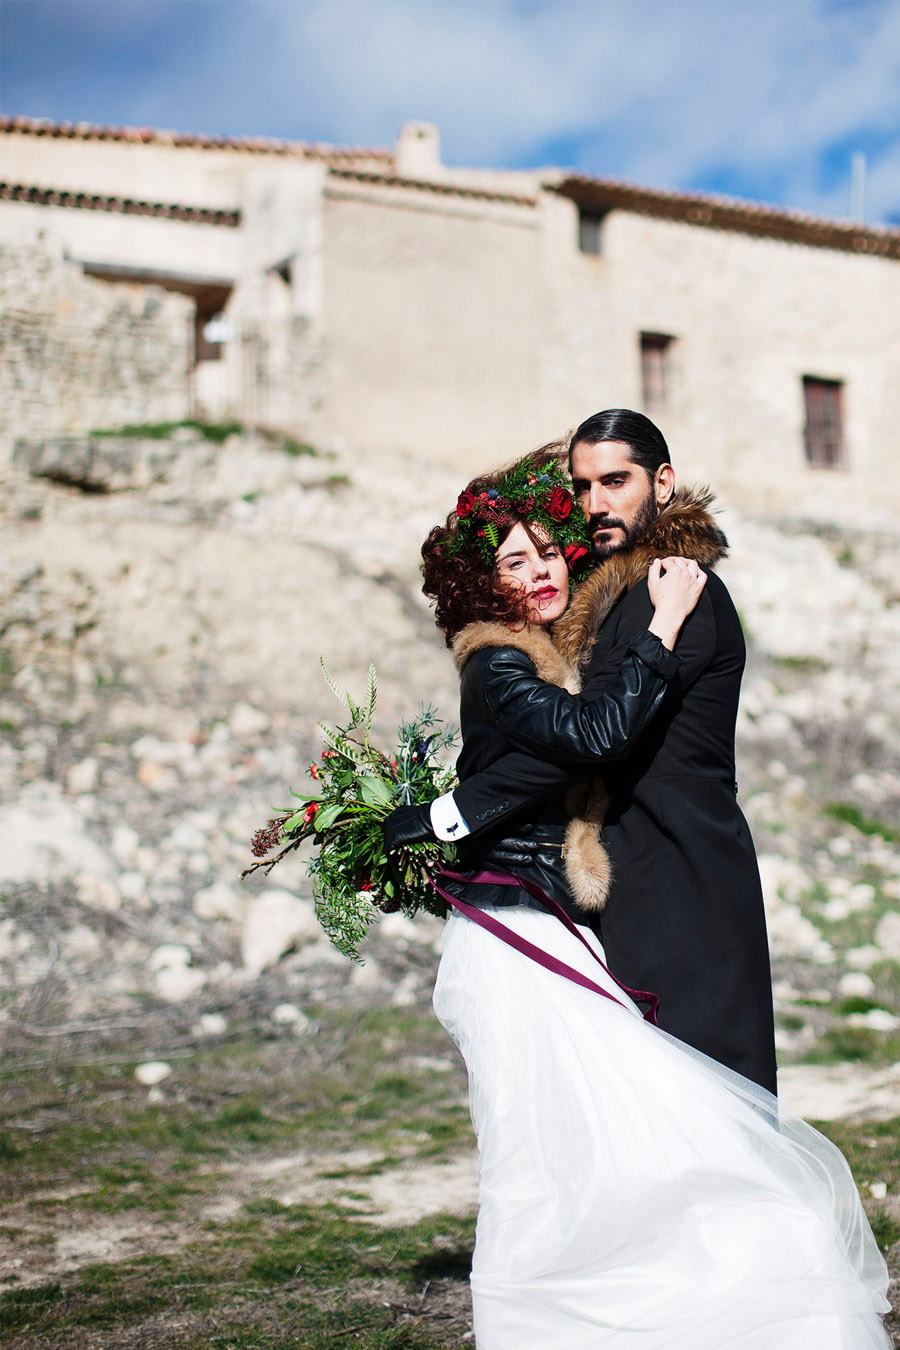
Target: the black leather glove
pixel 407 825
pixel 515 852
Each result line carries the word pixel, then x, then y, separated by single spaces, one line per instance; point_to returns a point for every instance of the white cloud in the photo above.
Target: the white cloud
pixel 661 91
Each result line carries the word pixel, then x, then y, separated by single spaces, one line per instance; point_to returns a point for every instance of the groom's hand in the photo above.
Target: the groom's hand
pixel 407 825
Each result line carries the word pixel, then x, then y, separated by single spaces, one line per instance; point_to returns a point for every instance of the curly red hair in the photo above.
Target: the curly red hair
pixel 463 589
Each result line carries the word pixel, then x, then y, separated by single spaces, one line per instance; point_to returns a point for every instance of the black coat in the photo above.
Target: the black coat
pixel 506 703
pixel 685 914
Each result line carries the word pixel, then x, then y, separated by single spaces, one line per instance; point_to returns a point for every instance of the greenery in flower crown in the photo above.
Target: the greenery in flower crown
pixel 537 492
pixel 358 785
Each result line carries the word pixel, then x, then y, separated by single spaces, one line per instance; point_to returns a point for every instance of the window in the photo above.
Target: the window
pixel 656 370
pixel 823 434
pixel 589 231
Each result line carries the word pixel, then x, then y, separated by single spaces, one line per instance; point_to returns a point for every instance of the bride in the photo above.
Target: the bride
pixel 633 1192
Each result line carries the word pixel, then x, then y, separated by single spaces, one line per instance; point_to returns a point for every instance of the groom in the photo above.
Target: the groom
pixel 685 912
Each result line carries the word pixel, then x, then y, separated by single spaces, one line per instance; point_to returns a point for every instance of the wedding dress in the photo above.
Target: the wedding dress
pixel 635 1194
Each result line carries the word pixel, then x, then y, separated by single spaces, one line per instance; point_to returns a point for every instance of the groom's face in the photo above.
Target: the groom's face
pixel 617 496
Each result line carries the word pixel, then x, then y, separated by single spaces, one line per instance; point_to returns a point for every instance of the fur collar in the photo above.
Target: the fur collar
pixel 684 527
pixel 533 640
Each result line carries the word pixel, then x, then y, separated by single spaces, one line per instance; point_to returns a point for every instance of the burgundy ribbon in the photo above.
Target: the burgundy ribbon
pixel 528 948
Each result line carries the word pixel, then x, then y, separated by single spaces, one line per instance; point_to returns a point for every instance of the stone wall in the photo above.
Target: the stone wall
pixel 750 317
pixel 77 353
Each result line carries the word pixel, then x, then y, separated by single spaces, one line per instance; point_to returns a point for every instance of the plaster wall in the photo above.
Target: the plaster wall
pixel 432 324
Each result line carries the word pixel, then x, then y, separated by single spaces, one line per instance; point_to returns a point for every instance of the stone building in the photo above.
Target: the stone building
pixel 378 300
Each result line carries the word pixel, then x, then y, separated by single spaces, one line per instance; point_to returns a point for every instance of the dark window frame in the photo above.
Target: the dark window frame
pixel 590 232
pixel 656 350
pixel 824 442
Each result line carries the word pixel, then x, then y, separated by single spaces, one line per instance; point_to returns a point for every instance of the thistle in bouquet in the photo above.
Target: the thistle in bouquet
pixel 356 785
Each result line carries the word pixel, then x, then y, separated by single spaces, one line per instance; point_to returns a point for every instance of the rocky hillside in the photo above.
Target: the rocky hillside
pixel 163 607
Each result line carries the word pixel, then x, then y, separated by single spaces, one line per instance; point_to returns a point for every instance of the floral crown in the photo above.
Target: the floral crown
pixel 536 492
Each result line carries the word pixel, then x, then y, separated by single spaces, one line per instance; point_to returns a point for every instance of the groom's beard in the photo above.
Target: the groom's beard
pixel 626 535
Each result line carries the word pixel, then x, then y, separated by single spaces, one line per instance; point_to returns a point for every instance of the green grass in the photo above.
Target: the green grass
pixel 805 665
pixel 290 1260
pixel 215 432
pixel 856 1004
pixel 298 449
pixel 848 814
pixel 855 1044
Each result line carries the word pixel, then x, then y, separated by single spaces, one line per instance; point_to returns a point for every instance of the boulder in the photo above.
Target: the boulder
pixel 274 924
pixel 152 1071
pixel 219 901
pixel 887 935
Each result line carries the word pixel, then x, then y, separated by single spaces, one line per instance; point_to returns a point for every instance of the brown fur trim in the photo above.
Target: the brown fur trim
pixel 587 864
pixel 533 640
pixel 684 527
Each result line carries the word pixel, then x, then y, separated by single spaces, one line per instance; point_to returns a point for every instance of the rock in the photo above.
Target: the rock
pixel 840 847
pixel 219 901
pixel 369 975
pixel 781 879
pixel 792 934
pixel 246 722
pixel 156 777
pixel 14 941
pixel 170 956
pixel 82 941
pixel 862 957
pixel 82 777
pixel 398 928
pixel 887 935
pixel 151 749
pixel 132 886
pixel 274 924
pixel 211 1024
pixel 152 1071
pixel 856 984
pixel 289 1015
pixel 836 910
pixel 787 1042
pixel 404 994
pixel 177 983
pixel 878 1190
pixel 833 1091
pixel 43 839
pixel 185 838
pixel 97 892
pixel 876 1019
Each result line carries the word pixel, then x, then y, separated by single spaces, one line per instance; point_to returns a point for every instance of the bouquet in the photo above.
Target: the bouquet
pixel 357 785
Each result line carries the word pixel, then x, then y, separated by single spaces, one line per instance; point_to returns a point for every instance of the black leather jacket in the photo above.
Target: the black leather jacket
pixel 505 706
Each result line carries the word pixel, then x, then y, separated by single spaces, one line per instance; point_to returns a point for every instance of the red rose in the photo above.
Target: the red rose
pixel 559 504
pixel 575 555
pixel 464 504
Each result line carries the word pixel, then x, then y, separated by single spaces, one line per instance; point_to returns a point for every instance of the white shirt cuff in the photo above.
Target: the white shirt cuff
pixel 446 820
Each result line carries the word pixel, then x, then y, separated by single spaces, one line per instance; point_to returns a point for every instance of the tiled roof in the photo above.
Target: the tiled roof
pixel 261 145
pixel 127 206
pixel 728 213
pixel 439 186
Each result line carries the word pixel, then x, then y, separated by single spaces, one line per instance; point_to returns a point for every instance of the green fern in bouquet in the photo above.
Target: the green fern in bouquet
pixel 358 785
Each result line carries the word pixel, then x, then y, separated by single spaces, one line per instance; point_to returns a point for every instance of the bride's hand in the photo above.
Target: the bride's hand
pixel 675 586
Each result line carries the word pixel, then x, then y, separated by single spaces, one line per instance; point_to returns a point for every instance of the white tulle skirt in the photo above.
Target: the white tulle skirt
pixel 633 1192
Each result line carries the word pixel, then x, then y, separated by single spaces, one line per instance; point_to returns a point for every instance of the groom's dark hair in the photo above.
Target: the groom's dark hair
pixel 648 444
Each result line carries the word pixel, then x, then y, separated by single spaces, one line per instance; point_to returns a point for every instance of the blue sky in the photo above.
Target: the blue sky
pixel 765 99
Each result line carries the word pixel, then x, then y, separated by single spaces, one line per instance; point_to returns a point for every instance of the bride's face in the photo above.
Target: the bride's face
pixel 539 568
